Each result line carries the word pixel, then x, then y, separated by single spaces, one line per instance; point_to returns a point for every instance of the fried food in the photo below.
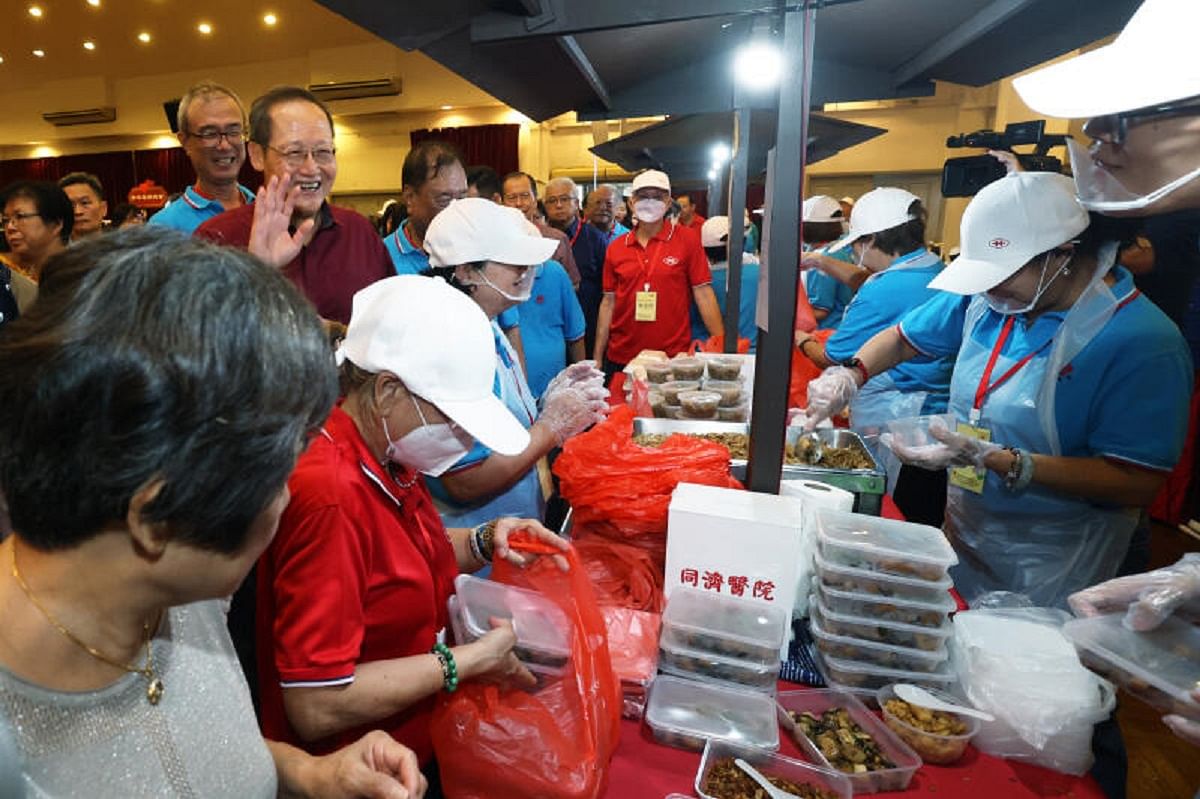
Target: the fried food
pixel 738 445
pixel 847 746
pixel 726 781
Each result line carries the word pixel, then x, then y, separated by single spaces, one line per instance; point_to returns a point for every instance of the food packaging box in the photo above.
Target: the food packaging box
pixel 1159 666
pixel 817 702
pixel 871 628
pixel 932 614
pixel 864 581
pixel 751 632
pixel 736 544
pixel 872 653
pixel 941 750
pixel 543 631
pixel 771 765
pixel 686 713
pixel 883 545
pixel 864 677
pixel 914 432
pixel 705 666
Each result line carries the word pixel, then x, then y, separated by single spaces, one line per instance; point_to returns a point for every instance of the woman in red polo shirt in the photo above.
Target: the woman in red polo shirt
pixel 352 592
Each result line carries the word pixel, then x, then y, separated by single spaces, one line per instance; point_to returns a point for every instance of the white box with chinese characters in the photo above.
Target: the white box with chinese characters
pixel 736 543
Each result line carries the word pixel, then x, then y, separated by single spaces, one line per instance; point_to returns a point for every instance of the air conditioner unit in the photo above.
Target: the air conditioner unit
pixel 354 89
pixel 84 116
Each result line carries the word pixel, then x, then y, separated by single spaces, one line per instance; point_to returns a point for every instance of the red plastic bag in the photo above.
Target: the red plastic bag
pixel 555 743
pixel 622 574
pixel 632 643
pixel 716 344
pixel 620 489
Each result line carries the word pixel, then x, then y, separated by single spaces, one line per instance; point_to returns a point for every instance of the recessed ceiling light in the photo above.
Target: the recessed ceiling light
pixel 89 45
pixel 204 28
pixel 94 3
pixel 40 53
pixel 447 107
pixel 270 19
pixel 144 37
pixel 1 59
pixel 35 11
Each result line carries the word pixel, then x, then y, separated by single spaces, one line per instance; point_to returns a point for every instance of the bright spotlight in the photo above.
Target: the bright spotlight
pixel 720 153
pixel 758 65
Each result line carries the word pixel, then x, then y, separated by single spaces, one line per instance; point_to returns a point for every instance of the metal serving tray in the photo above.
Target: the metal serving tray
pixel 867 485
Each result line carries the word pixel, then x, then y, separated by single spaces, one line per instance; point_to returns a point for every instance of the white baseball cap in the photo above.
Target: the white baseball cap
pixel 651 179
pixel 439 342
pixel 474 229
pixel 1010 221
pixel 878 209
pixel 1152 61
pixel 822 208
pixel 715 230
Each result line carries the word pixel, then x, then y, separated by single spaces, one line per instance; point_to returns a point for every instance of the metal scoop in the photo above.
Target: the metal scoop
pixel 772 791
pixel 815 449
pixel 915 695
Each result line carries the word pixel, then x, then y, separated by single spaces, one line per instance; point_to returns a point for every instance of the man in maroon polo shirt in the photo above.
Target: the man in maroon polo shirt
pixel 651 276
pixel 329 253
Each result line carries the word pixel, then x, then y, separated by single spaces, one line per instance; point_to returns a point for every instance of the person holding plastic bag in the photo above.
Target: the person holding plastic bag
pixel 490 253
pixel 1070 392
pixel 887 233
pixel 352 591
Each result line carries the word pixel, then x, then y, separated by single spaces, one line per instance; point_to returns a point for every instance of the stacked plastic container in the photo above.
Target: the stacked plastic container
pixel 710 388
pixel 720 659
pixel 880 607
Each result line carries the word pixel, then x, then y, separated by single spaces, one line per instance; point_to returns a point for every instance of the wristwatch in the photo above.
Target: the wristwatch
pixel 855 363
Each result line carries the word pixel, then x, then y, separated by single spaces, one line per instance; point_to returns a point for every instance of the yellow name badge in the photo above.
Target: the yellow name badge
pixel 970 477
pixel 646 306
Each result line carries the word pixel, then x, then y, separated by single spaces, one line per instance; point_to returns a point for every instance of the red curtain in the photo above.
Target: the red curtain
pixel 490 145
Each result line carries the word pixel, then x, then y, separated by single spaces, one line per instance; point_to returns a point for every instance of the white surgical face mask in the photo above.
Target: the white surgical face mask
pixel 649 211
pixel 525 285
pixel 1009 306
pixel 429 449
pixel 1098 190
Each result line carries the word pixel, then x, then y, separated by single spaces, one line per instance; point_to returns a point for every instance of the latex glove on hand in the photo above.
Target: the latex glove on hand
pixel 572 408
pixel 1185 728
pixel 580 372
pixel 933 457
pixel 1149 597
pixel 964 450
pixel 829 394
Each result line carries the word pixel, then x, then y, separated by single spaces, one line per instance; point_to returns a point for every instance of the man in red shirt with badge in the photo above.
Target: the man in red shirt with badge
pixel 651 276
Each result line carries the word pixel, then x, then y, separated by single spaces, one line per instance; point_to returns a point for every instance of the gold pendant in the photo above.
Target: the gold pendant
pixel 154 690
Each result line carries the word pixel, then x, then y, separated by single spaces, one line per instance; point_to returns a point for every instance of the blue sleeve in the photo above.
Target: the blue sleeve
pixel 574 325
pixel 878 305
pixel 822 291
pixel 477 454
pixel 935 328
pixel 508 319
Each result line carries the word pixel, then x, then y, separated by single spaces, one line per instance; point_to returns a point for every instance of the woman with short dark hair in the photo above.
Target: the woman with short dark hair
pixel 37 221
pixel 156 398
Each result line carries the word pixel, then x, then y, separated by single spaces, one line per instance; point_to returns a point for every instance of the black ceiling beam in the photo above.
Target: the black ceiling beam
pixel 582 63
pixel 570 17
pixel 972 30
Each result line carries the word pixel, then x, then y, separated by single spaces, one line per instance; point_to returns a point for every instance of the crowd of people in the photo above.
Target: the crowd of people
pixel 340 418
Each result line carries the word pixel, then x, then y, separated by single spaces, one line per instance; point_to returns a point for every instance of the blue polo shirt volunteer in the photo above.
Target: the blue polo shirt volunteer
pixel 880 303
pixel 746 306
pixel 827 293
pixel 549 319
pixel 190 209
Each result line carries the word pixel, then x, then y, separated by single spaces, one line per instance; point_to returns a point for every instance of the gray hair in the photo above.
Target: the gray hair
pixel 204 91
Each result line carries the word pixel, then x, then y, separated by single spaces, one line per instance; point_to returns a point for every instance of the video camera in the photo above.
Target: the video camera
pixel 963 177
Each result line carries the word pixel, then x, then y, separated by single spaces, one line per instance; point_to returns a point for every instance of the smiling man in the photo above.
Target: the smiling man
pixel 212 129
pixel 329 253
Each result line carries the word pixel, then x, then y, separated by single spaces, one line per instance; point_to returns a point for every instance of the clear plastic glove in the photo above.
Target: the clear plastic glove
pixel 829 394
pixel 1185 728
pixel 933 457
pixel 963 450
pixel 1149 597
pixel 580 372
pixel 571 408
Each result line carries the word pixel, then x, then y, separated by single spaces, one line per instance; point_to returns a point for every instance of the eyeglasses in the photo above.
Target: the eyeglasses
pixel 211 137
pixel 17 218
pixel 1116 126
pixel 565 199
pixel 296 156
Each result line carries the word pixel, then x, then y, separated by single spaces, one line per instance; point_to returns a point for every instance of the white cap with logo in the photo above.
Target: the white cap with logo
pixel 821 208
pixel 1008 223
pixel 474 229
pixel 439 342
pixel 651 179
pixel 877 210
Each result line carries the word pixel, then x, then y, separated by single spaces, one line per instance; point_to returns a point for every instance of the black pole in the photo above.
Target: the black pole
pixel 775 344
pixel 737 234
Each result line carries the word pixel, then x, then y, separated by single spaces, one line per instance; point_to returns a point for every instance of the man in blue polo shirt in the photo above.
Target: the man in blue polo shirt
pixel 588 245
pixel 552 326
pixel 212 130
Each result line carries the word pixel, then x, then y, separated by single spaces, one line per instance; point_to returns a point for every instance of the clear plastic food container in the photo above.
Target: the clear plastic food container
pixel 739 413
pixel 686 368
pixel 934 748
pixel 851 674
pixel 723 625
pixel 797 772
pixel 1159 666
pixel 914 431
pixel 864 581
pixel 672 390
pixel 694 664
pixel 905 761
pixel 927 639
pixel 699 404
pixel 543 631
pixel 724 368
pixel 658 372
pixel 686 713
pixel 883 545
pixel 872 652
pixel 893 609
pixel 731 391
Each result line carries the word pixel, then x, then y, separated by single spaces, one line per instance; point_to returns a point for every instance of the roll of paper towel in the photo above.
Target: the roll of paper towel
pixel 813 495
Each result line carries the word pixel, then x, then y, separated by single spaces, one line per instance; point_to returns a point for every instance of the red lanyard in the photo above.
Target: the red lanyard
pixel 647 264
pixel 986 388
pixel 578 230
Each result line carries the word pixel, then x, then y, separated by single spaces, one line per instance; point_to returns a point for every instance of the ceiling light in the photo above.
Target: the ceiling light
pixel 712 174
pixel 35 11
pixel 720 154
pixel 758 65
pixel 270 19
pixel 1 59
pixel 144 37
pixel 89 45
pixel 204 28
pixel 40 53
pixel 94 3
pixel 447 108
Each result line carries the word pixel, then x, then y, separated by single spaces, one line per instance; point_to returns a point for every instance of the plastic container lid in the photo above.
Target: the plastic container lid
pixel 944 631
pixel 879 540
pixel 753 630
pixel 541 627
pixel 1166 658
pixel 771 765
pixel 929 660
pixel 700 710
pixel 894 582
pixel 866 675
pixel 944 605
pixel 708 667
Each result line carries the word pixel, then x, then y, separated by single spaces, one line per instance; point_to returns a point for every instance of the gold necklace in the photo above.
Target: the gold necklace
pixel 154 683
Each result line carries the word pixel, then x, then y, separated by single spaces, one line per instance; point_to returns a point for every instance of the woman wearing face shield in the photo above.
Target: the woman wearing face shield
pixel 1070 392
pixel 490 252
pixel 352 591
